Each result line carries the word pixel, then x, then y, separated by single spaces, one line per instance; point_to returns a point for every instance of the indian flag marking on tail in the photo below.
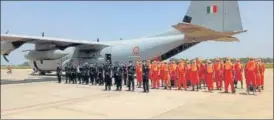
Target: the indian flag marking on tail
pixel 212 9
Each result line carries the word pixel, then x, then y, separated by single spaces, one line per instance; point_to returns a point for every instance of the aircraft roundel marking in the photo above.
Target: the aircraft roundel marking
pixel 136 49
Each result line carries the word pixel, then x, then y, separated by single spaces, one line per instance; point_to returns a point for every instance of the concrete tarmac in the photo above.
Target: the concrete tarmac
pixel 41 97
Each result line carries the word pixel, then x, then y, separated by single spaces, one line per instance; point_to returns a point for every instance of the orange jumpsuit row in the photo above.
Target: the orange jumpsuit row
pixel 193 72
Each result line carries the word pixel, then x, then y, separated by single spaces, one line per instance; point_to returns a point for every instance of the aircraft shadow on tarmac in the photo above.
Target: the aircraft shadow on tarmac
pixel 42 79
pixel 44 75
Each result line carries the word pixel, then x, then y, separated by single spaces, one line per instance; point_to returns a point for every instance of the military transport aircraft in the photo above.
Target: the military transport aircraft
pixel 204 21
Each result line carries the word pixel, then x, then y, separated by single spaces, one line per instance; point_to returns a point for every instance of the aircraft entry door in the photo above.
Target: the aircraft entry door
pixel 108 58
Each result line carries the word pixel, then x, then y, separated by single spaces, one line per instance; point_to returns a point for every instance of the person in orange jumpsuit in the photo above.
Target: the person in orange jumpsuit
pixel 204 73
pixel 262 74
pixel 217 74
pixel 251 75
pixel 181 76
pixel 258 70
pixel 173 70
pixel 185 68
pixel 245 75
pixel 209 76
pixel 228 75
pixel 152 67
pixel 201 69
pixel 162 73
pixel 188 68
pixel 222 70
pixel 155 74
pixel 149 65
pixel 139 73
pixel 194 75
pixel 166 76
pixel 238 73
pixel 159 75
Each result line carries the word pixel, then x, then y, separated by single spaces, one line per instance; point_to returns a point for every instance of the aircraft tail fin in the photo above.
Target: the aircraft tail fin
pixel 222 16
pixel 219 16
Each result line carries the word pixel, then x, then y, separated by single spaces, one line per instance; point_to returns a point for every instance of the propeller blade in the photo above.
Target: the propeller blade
pixel 5 58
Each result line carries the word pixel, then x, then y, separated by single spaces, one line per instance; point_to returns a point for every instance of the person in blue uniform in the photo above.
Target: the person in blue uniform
pixel 108 80
pixel 100 74
pixel 58 73
pixel 131 72
pixel 145 74
pixel 118 76
pixel 125 73
pixel 92 73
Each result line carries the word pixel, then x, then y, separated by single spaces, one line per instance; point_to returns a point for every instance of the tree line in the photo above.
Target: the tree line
pixel 243 60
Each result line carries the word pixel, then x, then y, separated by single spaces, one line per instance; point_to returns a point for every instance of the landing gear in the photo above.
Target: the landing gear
pixel 42 73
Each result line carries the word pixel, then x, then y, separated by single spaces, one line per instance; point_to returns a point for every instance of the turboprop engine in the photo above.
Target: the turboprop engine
pixel 45 55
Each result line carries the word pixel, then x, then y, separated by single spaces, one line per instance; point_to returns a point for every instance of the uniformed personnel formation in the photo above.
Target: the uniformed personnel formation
pixel 188 75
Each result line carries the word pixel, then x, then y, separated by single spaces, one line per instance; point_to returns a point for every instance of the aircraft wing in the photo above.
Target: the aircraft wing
pixel 11 42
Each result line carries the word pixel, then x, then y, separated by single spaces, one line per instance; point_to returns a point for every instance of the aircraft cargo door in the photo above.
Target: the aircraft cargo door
pixel 108 58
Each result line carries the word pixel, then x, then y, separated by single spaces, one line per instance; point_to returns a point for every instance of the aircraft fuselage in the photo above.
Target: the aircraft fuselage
pixel 122 51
